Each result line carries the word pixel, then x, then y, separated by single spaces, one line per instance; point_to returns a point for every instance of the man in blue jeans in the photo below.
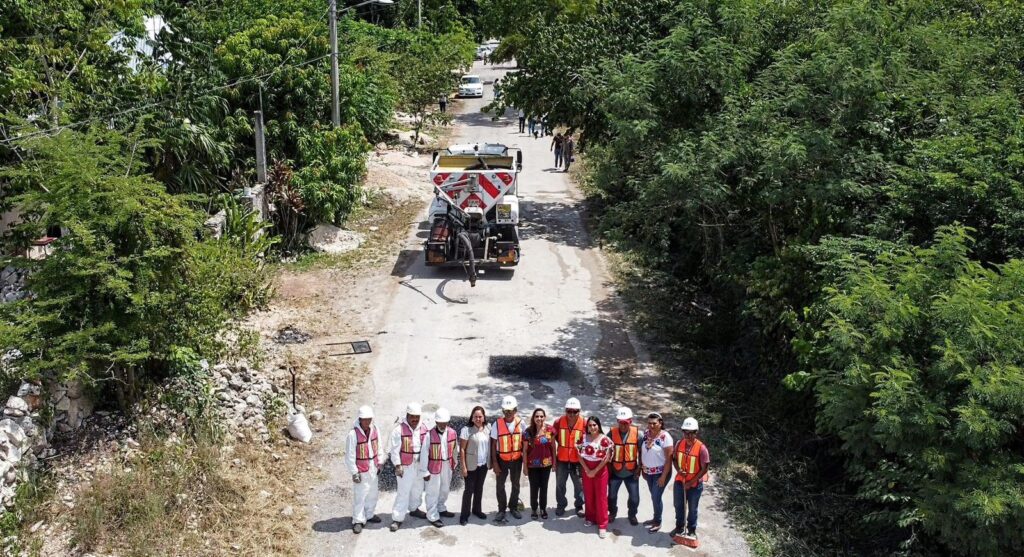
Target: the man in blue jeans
pixel 656 463
pixel 625 466
pixel 691 460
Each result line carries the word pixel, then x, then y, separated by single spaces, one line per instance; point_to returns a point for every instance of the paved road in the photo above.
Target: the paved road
pixel 549 330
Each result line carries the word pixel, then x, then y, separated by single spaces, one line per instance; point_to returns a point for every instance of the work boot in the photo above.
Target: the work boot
pixel 500 517
pixel 356 528
pixel 447 514
pixel 418 514
pixel 437 524
pixel 632 520
pixel 481 515
pixel 515 514
pixel 580 513
pixel 560 512
pixel 395 526
pixel 374 519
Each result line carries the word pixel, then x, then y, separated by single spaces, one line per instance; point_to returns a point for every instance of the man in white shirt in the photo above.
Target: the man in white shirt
pixel 437 461
pixel 362 457
pixel 405 442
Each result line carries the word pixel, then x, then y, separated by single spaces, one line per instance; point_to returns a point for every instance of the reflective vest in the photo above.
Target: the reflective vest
pixel 364 447
pixel 434 459
pixel 510 443
pixel 688 461
pixel 406 452
pixel 569 438
pixel 625 452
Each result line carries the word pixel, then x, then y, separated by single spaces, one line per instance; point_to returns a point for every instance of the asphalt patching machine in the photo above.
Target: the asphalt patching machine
pixel 474 218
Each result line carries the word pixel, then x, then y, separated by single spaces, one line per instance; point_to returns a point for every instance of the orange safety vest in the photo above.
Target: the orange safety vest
pixel 567 447
pixel 363 445
pixel 407 455
pixel 434 459
pixel 510 443
pixel 688 461
pixel 625 452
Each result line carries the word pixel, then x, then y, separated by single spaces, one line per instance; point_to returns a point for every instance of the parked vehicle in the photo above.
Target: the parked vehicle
pixel 475 213
pixel 471 86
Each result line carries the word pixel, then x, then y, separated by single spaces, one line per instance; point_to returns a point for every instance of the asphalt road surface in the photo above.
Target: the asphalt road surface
pixel 548 330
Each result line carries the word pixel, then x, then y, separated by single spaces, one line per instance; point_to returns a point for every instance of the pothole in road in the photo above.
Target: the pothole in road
pixel 535 370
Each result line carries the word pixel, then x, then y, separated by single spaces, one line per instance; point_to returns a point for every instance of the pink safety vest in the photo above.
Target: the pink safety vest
pixel 407 455
pixel 434 459
pixel 363 446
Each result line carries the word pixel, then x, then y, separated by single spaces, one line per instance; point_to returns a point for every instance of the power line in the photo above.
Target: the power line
pixel 234 83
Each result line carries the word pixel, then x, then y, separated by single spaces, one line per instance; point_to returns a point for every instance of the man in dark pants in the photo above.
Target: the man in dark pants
pixel 522 121
pixel 569 432
pixel 625 466
pixel 507 457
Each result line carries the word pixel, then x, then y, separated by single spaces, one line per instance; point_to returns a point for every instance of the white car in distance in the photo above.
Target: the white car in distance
pixel 471 86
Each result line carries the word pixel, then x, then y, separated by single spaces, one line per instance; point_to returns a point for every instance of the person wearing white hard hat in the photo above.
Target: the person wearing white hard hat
pixel 625 465
pixel 691 460
pixel 569 430
pixel 362 456
pixel 507 456
pixel 437 461
pixel 405 442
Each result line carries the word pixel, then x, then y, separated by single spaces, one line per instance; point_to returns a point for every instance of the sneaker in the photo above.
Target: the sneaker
pixel 649 522
pixel 463 521
pixel 580 513
pixel 692 533
pixel 676 531
pixel 418 514
pixel 588 523
pixel 602 534
pixel 560 512
pixel 356 528
pixel 633 521
pixel 544 514
pixel 654 527
pixel 500 517
pixel 374 519
pixel 437 524
pixel 533 515
pixel 515 514
pixel 481 516
pixel 447 514
pixel 395 526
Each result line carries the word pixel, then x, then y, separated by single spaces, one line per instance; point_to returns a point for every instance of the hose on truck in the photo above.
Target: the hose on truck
pixel 471 269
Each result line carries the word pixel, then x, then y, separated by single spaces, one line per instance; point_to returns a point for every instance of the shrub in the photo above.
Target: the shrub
pixel 333 162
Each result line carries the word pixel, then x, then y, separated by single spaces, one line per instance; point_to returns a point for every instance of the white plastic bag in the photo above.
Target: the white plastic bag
pixel 298 427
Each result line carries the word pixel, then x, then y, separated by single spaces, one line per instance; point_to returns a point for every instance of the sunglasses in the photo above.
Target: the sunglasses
pixel 572 411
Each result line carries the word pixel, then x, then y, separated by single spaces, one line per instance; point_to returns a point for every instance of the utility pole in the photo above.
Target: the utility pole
pixel 261 150
pixel 419 14
pixel 335 106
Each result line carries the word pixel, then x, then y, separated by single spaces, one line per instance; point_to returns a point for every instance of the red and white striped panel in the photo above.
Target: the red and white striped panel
pixel 455 186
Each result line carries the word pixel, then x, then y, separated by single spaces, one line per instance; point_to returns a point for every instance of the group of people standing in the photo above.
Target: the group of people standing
pixel 578 450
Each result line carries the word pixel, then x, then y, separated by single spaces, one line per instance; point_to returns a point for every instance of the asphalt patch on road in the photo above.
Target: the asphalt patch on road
pixel 535 369
pixel 387 481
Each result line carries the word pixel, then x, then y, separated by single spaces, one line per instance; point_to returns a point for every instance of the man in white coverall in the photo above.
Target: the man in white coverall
pixel 362 456
pixel 405 442
pixel 437 461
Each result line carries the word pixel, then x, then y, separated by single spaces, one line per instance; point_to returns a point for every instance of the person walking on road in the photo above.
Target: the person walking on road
pixel 568 150
pixel 522 121
pixel 405 442
pixel 691 460
pixel 507 457
pixel 475 444
pixel 437 460
pixel 539 457
pixel 656 462
pixel 362 457
pixel 595 454
pixel 531 123
pixel 556 146
pixel 569 431
pixel 625 465
pixel 442 103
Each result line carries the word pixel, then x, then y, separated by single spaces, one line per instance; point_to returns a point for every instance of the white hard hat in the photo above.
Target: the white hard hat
pixel 509 403
pixel 365 412
pixel 690 424
pixel 442 416
pixel 624 413
pixel 572 404
pixel 413 409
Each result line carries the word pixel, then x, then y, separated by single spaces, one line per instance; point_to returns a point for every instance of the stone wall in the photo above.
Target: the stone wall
pixel 23 440
pixel 12 284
